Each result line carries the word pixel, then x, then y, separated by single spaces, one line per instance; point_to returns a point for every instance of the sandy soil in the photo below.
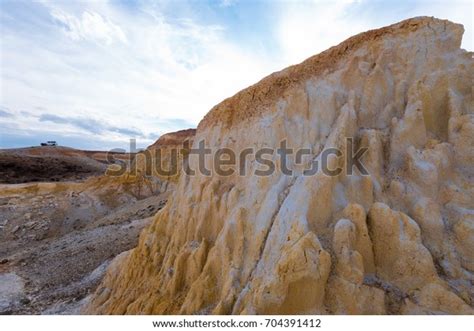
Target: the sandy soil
pixel 57 237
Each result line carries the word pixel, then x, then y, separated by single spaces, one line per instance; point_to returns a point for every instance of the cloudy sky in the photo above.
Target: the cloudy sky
pixel 93 74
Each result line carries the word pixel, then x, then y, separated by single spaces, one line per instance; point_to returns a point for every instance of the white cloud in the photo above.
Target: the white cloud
pixel 144 68
pixel 227 3
pixel 90 26
pixel 168 72
pixel 304 28
pixel 309 27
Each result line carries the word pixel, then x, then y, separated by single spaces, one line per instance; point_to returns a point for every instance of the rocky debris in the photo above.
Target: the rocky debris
pixel 74 302
pixel 58 238
pixel 68 268
pixel 397 241
pixel 11 292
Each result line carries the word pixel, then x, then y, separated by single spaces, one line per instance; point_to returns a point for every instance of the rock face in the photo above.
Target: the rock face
pixel 152 171
pixel 399 240
pixel 173 138
pixel 156 166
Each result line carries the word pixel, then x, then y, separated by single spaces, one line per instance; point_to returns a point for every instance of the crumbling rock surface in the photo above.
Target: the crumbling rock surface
pixel 397 241
pixel 159 165
pixel 56 240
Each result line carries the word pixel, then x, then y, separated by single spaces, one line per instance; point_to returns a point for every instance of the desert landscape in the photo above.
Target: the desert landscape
pixel 64 220
pixel 398 239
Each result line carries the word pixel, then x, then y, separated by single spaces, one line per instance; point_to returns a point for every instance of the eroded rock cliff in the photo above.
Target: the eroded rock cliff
pixel 397 241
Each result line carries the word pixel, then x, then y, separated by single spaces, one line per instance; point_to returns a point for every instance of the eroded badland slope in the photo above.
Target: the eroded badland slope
pixel 57 238
pixel 398 241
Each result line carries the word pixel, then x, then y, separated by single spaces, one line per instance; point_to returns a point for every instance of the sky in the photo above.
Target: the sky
pixel 95 74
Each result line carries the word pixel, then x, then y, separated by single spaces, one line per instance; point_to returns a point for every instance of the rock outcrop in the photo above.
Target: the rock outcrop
pixel 399 240
pixel 155 169
pixel 176 138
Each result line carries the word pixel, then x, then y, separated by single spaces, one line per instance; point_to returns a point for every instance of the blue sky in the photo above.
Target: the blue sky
pixel 93 74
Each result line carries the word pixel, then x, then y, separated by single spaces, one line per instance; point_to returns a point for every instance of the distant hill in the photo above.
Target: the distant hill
pixel 47 163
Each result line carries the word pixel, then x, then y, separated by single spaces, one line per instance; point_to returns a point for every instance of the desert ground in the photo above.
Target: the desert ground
pixel 61 223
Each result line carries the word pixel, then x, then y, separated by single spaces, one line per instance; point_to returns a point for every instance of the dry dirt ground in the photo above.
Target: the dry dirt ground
pixel 57 238
pixel 37 164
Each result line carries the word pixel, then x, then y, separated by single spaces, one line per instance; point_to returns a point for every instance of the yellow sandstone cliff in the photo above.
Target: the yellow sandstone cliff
pixel 151 171
pixel 399 241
